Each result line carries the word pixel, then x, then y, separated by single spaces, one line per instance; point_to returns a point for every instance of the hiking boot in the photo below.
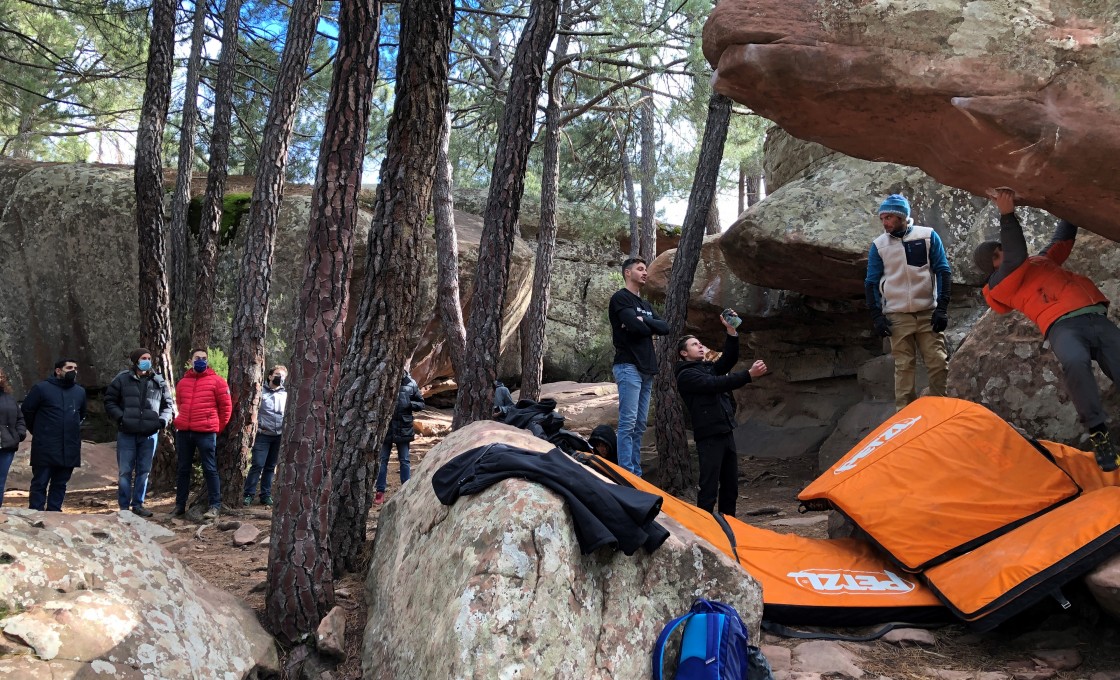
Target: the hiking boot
pixel 141 511
pixel 211 513
pixel 266 500
pixel 379 498
pixel 1105 452
pixel 179 511
pixel 247 501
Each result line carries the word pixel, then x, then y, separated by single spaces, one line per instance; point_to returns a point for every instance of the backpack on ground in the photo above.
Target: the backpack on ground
pixel 714 646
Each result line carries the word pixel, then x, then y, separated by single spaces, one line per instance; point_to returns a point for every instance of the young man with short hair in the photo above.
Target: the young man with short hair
pixel 54 410
pixel 1068 308
pixel 633 325
pixel 204 410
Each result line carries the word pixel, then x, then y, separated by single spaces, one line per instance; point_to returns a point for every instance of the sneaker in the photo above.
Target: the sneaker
pixel 1105 452
pixel 179 511
pixel 141 511
pixel 247 501
pixel 211 513
pixel 266 500
pixel 379 498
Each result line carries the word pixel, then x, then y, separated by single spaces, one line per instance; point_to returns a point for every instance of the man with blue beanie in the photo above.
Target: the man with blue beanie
pixel 907 287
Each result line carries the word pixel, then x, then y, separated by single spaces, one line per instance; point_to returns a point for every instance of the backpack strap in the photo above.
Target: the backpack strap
pixel 730 534
pixel 659 646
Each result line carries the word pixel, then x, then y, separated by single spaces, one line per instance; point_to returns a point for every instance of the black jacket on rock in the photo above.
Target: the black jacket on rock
pixel 705 388
pixel 54 412
pixel 139 404
pixel 603 514
pixel 12 428
pixel 408 400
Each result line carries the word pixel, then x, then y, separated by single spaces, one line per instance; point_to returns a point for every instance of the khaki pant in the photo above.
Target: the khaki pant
pixel 910 334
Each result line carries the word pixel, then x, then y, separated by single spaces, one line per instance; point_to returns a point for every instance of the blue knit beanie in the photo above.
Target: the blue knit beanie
pixel 896 204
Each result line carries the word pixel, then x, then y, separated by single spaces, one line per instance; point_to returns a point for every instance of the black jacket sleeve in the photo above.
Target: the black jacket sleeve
pixel 695 380
pixel 729 358
pixel 658 325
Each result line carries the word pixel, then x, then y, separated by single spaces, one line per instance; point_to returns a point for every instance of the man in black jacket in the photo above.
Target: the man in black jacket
pixel 705 388
pixel 54 410
pixel 139 402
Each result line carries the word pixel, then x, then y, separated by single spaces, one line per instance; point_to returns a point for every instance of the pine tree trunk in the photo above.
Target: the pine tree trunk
pixel 448 300
pixel 754 189
pixel 533 338
pixel 677 470
pixel 631 199
pixel 503 203
pixel 202 318
pixel 180 200
pixel 154 297
pixel 388 311
pixel 300 574
pixel 647 247
pixel 250 315
pixel 713 225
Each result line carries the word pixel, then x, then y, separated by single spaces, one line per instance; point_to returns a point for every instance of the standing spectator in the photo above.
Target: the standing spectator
pixel 705 388
pixel 139 402
pixel 204 410
pixel 1068 308
pixel 54 410
pixel 12 430
pixel 400 433
pixel 907 287
pixel 633 325
pixel 266 447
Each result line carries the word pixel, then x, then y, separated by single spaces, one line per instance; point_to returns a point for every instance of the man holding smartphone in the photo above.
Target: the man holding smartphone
pixel 705 388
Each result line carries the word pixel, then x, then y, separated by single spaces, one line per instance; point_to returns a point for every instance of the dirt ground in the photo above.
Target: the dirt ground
pixel 767 498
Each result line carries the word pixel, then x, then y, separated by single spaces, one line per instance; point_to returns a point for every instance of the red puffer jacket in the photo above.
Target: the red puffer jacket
pixel 204 402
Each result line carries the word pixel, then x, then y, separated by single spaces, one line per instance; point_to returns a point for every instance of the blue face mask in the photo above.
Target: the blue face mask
pixel 200 365
pixel 145 365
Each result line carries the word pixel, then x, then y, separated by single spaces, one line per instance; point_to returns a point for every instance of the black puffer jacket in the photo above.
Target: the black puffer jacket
pixel 408 400
pixel 705 388
pixel 12 429
pixel 54 411
pixel 139 405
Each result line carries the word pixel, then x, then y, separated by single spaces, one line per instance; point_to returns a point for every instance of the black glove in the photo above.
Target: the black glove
pixel 940 320
pixel 882 325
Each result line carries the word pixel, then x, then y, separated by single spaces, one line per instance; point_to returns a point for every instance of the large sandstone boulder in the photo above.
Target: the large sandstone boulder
pixel 1003 365
pixel 786 158
pixel 95 595
pixel 977 94
pixel 583 405
pixel 503 591
pixel 585 274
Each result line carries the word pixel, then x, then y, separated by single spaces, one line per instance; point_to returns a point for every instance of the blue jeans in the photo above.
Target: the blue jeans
pixel 634 389
pixel 266 453
pixel 56 478
pixel 206 443
pixel 134 457
pixel 6 458
pixel 383 466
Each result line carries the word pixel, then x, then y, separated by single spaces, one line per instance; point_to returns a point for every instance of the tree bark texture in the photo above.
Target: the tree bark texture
pixel 180 200
pixel 648 172
pixel 753 190
pixel 503 203
pixel 743 205
pixel 713 224
pixel 154 296
pixel 677 470
pixel 250 314
pixel 202 318
pixel 382 341
pixel 448 299
pixel 300 574
pixel 534 342
pixel 631 196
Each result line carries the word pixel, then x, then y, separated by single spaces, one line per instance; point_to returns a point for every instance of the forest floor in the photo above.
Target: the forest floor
pixel 768 499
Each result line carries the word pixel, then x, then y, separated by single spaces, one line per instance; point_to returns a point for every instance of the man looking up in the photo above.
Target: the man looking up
pixel 1068 309
pixel 907 288
pixel 633 325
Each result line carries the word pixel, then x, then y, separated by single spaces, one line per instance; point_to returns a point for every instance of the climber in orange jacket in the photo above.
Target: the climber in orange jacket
pixel 1068 308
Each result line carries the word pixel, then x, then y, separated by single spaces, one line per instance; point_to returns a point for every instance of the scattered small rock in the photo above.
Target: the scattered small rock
pixel 331 633
pixel 246 534
pixel 780 658
pixel 228 525
pixel 342 592
pixel 764 510
pixel 804 521
pixel 1058 659
pixel 826 656
pixel 910 636
pixel 259 588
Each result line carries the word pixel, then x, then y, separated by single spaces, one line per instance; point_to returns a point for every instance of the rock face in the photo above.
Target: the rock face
pixel 97 595
pixel 505 593
pixel 1003 365
pixel 978 95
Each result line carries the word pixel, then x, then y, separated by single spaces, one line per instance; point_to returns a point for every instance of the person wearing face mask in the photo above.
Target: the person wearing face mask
pixel 266 447
pixel 139 402
pixel 204 411
pixel 907 288
pixel 54 410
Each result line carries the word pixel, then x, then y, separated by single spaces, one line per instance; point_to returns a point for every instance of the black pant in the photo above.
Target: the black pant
pixel 719 470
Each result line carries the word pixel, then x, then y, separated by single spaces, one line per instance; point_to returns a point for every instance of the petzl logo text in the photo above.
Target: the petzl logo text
pixel 837 582
pixel 887 435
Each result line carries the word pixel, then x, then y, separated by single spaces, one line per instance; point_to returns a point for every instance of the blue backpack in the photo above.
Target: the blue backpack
pixel 714 646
